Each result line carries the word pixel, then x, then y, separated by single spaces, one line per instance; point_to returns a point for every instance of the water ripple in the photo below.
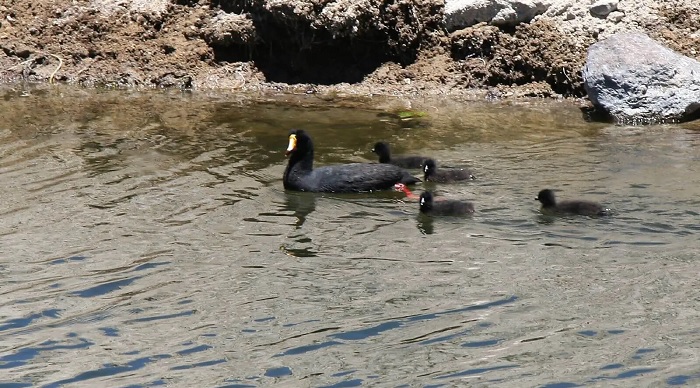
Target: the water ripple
pixel 17 323
pixel 146 239
pixel 110 370
pixel 27 354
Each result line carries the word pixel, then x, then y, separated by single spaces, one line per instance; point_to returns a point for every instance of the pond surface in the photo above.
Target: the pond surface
pixel 146 239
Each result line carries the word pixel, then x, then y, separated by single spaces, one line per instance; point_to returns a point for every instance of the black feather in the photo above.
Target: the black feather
pixel 444 175
pixel 406 161
pixel 584 208
pixel 445 207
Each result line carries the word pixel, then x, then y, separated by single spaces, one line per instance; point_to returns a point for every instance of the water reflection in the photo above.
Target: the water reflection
pixel 425 224
pixel 301 204
pixel 146 238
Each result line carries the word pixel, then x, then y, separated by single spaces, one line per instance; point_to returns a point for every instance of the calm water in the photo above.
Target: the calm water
pixel 146 239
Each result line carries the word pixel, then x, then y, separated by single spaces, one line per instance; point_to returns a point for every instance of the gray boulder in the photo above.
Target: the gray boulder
pixel 638 80
pixel 464 13
pixel 602 8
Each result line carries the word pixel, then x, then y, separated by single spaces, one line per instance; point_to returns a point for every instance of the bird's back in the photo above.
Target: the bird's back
pixel 450 175
pixel 587 208
pixel 452 207
pixel 355 177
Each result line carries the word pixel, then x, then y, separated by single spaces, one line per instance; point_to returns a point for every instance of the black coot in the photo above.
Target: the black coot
pixel 445 207
pixel 444 175
pixel 300 174
pixel 382 149
pixel 585 208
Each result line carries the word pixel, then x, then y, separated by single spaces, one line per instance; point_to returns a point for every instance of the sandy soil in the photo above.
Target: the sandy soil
pixel 330 47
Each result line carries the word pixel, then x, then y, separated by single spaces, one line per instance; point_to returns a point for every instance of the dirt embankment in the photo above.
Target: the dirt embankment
pixel 327 46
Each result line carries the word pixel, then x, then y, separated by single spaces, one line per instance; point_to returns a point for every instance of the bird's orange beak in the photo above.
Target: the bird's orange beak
pixel 292 145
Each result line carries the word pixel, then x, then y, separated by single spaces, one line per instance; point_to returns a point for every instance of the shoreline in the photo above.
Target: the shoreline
pixel 331 49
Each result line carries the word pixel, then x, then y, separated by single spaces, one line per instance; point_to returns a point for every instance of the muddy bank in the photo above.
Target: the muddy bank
pixel 331 47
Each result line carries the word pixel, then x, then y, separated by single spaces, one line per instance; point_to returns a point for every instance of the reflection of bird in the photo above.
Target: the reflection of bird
pixel 300 204
pixel 446 207
pixel 444 175
pixel 342 178
pixel 382 149
pixel 585 208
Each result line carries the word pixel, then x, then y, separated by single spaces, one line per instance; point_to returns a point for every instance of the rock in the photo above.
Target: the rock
pixel 464 13
pixel 227 29
pixel 20 50
pixel 638 80
pixel 156 7
pixel 602 8
pixel 616 16
pixel 293 11
pixel 343 18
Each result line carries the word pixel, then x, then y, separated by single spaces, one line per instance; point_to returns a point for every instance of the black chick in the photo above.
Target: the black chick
pixel 444 175
pixel 445 207
pixel 382 149
pixel 584 208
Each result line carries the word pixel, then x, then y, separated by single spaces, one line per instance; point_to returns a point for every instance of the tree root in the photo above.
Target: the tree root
pixel 31 61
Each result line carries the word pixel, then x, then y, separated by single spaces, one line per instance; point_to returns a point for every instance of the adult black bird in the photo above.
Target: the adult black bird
pixel 584 208
pixel 406 161
pixel 300 174
pixel 445 207
pixel 444 175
